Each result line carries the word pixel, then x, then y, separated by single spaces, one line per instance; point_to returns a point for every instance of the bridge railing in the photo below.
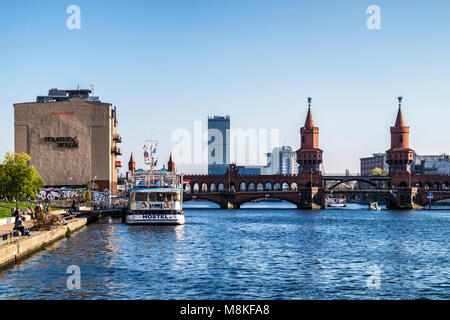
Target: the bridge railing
pixel 341 174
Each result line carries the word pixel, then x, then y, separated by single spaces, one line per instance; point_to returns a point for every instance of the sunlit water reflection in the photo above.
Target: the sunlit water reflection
pixel 247 254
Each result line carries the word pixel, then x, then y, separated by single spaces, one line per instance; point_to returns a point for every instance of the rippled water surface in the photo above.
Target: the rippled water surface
pixel 247 254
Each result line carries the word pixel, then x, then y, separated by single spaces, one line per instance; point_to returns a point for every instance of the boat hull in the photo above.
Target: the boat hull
pixel 155 219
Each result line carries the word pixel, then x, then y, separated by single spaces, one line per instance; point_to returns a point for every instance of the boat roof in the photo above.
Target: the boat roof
pixel 155 189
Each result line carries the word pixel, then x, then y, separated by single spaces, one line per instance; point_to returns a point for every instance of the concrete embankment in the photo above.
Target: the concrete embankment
pixel 24 246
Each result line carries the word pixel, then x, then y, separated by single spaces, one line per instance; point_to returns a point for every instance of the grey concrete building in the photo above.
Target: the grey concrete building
pixel 71 137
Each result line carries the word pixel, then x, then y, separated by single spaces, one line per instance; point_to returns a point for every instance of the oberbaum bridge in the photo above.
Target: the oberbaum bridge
pixel 401 189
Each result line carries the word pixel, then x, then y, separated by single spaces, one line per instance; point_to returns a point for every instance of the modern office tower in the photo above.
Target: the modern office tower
pixel 218 144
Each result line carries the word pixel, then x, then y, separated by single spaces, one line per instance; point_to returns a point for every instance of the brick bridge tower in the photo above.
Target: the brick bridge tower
pixel 399 158
pixel 171 164
pixel 132 164
pixel 309 158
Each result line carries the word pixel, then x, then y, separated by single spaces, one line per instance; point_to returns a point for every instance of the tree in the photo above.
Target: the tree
pixel 379 172
pixel 17 179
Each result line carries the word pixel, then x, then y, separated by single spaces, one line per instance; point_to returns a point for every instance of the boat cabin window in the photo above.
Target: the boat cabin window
pixel 140 196
pixel 152 197
pixel 168 197
pixel 176 197
pixel 160 197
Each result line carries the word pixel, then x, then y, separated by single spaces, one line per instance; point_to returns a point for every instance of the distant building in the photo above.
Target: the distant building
pixel 71 137
pixel 218 144
pixel 250 170
pixel 431 164
pixel 378 160
pixel 282 160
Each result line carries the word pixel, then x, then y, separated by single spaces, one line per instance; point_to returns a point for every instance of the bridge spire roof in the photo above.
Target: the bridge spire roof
pixel 309 123
pixel 399 122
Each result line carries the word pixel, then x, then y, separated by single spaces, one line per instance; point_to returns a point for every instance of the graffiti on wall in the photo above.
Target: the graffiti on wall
pixel 50 194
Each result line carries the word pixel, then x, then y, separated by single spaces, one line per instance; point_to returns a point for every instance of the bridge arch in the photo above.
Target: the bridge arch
pixel 196 188
pixel 251 186
pixel 220 187
pixel 242 200
pixel 259 187
pixel 353 179
pixel 204 187
pixel 268 186
pixel 294 186
pixel 243 186
pixel 212 187
pixel 200 196
pixel 277 186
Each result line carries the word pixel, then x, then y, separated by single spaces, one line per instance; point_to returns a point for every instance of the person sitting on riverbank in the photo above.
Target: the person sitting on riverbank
pixel 18 225
pixel 30 212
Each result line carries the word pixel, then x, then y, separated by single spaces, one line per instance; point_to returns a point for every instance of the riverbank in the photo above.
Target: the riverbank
pixel 5 207
pixel 24 246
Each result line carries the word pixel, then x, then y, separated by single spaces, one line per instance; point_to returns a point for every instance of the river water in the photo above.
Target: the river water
pixel 249 253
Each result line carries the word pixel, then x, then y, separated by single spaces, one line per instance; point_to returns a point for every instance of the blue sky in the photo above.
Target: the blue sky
pixel 167 63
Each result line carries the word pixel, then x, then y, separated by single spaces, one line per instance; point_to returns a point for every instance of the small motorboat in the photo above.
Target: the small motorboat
pixel 374 206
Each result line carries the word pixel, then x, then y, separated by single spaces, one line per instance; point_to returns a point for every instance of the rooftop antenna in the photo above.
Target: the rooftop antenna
pixel 400 101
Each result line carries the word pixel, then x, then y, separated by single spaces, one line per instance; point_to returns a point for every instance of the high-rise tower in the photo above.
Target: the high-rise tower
pixel 309 156
pixel 399 156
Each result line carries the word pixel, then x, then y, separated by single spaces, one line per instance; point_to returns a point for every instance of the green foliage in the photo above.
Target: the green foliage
pixel 379 172
pixel 17 179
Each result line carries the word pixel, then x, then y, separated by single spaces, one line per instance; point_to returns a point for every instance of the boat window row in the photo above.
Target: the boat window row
pixel 155 197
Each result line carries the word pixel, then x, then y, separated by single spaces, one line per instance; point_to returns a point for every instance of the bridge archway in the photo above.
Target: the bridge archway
pixel 260 187
pixel 220 187
pixel 194 197
pixel 268 186
pixel 251 186
pixel 255 197
pixel 212 187
pixel 196 188
pixel 204 187
pixel 187 188
pixel 277 186
pixel 243 187
pixel 294 186
pixel 350 180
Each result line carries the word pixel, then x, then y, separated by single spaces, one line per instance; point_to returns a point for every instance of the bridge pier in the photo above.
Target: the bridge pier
pixel 405 200
pixel 311 198
pixel 228 201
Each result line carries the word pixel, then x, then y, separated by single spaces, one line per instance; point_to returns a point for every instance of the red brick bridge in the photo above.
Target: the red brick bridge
pixel 401 188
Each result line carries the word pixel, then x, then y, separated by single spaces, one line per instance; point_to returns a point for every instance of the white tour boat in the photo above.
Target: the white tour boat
pixel 154 197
